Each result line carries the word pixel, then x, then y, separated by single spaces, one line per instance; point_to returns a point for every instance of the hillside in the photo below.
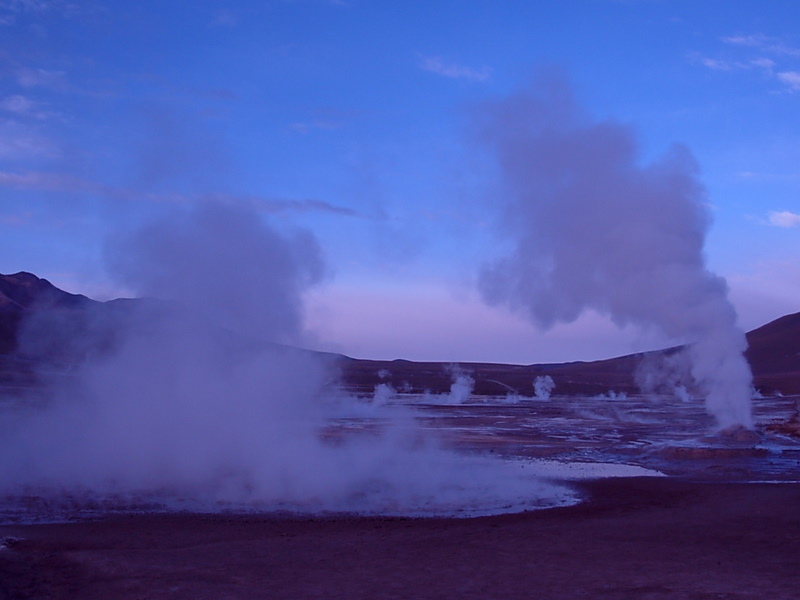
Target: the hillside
pixel 773 354
pixel 68 327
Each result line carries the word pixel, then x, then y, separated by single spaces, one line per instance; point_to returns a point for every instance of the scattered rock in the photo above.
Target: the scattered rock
pixel 8 542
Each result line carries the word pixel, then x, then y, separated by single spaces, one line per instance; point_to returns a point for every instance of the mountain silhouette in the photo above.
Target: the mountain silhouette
pixel 43 328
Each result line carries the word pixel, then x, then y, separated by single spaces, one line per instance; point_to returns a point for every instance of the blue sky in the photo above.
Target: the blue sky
pixel 351 119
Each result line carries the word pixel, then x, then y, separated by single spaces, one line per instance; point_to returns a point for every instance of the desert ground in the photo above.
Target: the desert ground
pixel 633 538
pixel 723 524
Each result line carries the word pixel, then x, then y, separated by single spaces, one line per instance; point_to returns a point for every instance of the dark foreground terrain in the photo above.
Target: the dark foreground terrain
pixel 636 538
pixel 640 538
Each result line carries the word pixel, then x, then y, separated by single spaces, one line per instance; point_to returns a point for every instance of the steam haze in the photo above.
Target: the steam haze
pixel 196 406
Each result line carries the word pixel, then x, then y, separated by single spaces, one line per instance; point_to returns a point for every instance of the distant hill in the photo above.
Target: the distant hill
pixel 773 354
pixel 69 327
pixel 43 328
pixel 23 293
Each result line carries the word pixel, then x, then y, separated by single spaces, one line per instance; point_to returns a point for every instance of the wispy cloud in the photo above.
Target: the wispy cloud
pixel 771 45
pixel 764 63
pixel 325 118
pixel 437 65
pixel 753 40
pixel 790 78
pixel 18 141
pixel 22 106
pixel 26 5
pixel 50 182
pixel 11 11
pixel 784 218
pixel 719 64
pixel 16 104
pixel 768 55
pixel 30 78
pixel 716 64
pixel 65 183
pixel 16 7
pixel 306 205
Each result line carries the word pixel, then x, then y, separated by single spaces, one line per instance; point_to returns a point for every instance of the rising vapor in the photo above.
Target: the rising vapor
pixel 592 228
pixel 197 402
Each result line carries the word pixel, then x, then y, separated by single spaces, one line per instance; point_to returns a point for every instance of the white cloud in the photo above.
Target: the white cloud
pixel 763 63
pixel 756 40
pixel 790 78
pixel 784 218
pixel 769 44
pixel 718 65
pixel 760 48
pixel 435 64
pixel 785 50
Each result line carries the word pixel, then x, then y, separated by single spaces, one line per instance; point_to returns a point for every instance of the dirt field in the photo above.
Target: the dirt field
pixel 641 538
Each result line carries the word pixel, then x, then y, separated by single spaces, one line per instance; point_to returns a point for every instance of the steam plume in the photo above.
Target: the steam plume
pixel 224 265
pixel 593 228
pixel 180 401
pixel 543 386
pixel 462 386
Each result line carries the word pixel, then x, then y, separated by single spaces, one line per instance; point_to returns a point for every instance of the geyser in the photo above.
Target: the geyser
pixel 592 228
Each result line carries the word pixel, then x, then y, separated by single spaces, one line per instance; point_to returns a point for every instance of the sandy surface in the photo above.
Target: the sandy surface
pixel 640 538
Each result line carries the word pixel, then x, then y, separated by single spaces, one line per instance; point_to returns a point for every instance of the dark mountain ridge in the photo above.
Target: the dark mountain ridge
pixel 69 327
